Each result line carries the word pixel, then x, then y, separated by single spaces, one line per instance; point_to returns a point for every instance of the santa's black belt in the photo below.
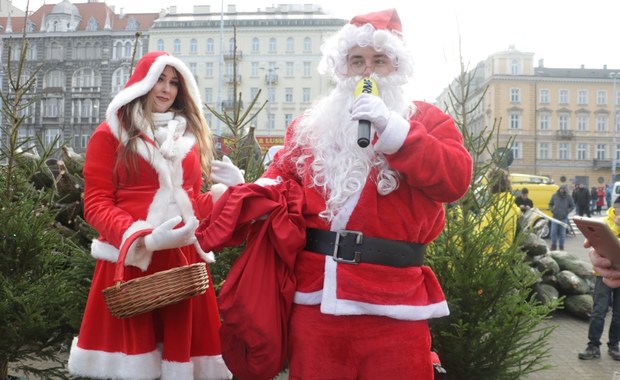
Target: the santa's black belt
pixel 352 247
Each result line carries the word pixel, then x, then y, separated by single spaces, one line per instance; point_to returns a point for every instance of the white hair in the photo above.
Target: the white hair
pixel 336 49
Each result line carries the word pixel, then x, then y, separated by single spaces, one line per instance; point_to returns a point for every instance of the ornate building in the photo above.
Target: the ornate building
pixel 558 122
pixel 277 51
pixel 80 55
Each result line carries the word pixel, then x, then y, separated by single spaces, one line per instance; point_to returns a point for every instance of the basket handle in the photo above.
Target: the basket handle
pixel 119 271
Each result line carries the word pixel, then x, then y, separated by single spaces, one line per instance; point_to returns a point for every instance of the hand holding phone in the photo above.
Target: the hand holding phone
pixel 601 238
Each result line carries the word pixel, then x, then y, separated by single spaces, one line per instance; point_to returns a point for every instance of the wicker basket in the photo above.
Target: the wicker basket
pixel 139 295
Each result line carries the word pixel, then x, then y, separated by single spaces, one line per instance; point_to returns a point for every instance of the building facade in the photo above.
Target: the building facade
pixel 557 122
pixel 79 55
pixel 275 51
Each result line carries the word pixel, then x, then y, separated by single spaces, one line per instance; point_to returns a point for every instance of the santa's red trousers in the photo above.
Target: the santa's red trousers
pixel 360 347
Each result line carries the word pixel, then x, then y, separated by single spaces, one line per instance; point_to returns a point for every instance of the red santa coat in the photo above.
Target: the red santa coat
pixel 435 168
pixel 180 341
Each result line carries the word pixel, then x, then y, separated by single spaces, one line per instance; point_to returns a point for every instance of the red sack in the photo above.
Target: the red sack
pixel 256 298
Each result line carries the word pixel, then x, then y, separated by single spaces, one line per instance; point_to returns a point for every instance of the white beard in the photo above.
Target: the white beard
pixel 340 167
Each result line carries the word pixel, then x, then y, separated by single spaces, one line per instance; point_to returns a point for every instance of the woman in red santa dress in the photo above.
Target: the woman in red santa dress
pixel 363 298
pixel 144 169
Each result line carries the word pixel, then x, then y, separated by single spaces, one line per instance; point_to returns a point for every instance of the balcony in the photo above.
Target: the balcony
pixel 601 164
pixel 230 104
pixel 230 79
pixel 565 134
pixel 231 55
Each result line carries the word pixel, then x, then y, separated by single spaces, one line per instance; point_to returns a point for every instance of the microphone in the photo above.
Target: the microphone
pixel 365 86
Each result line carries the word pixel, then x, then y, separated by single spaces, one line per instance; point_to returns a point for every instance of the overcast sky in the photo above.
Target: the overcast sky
pixel 565 34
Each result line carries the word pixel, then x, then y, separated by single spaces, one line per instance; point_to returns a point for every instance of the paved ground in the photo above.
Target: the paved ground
pixel 570 338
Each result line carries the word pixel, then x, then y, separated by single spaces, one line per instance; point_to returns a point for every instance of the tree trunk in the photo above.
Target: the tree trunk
pixel 4 370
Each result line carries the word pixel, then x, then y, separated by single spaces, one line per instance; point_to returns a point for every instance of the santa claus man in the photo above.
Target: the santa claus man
pixel 363 294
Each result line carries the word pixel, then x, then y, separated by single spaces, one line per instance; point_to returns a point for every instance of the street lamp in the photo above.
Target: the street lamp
pixel 615 76
pixel 271 78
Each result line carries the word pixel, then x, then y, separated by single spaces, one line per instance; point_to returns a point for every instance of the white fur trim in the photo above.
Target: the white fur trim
pixel 394 135
pixel 137 255
pixel 264 182
pixel 313 298
pixel 217 190
pixel 208 257
pixel 146 84
pixel 102 250
pixel 115 365
pixel 177 371
pixel 210 368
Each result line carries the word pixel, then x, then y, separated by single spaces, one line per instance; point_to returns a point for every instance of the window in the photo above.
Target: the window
pixel 132 24
pixel 517 150
pixel 209 69
pixel 515 95
pixel 254 69
pixel 272 45
pixel 54 78
pixel 290 69
pixel 177 46
pixel 307 45
pixel 210 45
pixel 582 97
pixel 515 67
pixel 253 92
pixel 208 95
pixel 601 151
pixel 544 97
pixel 288 119
pixel 563 97
pixel 119 78
pixel 582 122
pixel 601 123
pixel 515 120
pixel 80 139
pixel 543 122
pixel 616 153
pixel 193 46
pixel 255 45
pixel 128 50
pixel 52 136
pixel 290 45
pixel 54 51
pixel 51 107
pixel 288 95
pixel 544 150
pixel 563 151
pixel 86 79
pixel 307 69
pixel 192 68
pixel 271 94
pixel 563 122
pixel 160 45
pixel 305 95
pixel 582 151
pixel 92 25
pixel 601 97
pixel 231 46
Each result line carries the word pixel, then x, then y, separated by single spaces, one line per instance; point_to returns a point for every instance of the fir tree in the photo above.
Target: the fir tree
pixel 495 329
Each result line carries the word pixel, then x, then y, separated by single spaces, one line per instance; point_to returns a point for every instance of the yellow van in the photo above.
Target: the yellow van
pixel 540 188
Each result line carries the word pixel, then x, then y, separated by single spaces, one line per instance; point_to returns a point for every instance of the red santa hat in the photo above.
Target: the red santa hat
pixel 144 77
pixel 387 19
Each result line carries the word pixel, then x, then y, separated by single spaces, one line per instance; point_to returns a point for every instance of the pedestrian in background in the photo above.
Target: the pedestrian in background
pixel 561 204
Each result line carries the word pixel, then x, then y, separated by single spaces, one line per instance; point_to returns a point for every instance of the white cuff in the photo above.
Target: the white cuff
pixel 137 255
pixel 394 135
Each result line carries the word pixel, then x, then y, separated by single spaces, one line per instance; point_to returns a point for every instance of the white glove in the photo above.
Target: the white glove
pixel 166 236
pixel 225 172
pixel 370 107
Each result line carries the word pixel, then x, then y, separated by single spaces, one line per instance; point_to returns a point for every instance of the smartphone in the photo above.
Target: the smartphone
pixel 601 238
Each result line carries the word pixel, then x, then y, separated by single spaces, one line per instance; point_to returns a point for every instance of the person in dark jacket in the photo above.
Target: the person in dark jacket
pixel 581 196
pixel 561 204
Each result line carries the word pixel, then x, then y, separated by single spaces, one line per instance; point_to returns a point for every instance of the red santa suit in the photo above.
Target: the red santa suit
pixel 180 341
pixel 363 306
